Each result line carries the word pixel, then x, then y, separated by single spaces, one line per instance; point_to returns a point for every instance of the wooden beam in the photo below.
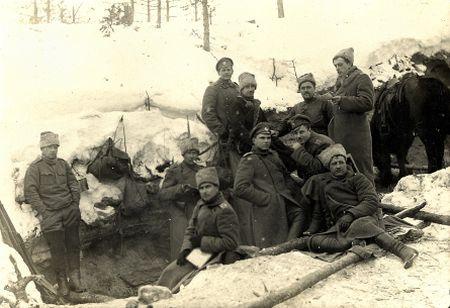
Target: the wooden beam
pixel 422 215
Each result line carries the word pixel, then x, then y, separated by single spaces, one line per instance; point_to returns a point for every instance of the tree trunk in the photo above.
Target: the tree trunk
pixel 280 9
pixel 132 12
pixel 167 10
pixel 158 20
pixel 210 14
pixel 73 14
pixel 48 11
pixel 275 297
pixel 195 10
pixel 206 45
pixel 148 10
pixel 422 215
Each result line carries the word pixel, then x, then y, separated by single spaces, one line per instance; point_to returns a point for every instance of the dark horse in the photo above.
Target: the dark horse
pixel 413 106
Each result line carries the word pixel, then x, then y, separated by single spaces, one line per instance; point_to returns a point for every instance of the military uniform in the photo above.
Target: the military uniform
pixel 51 189
pixel 320 112
pixel 217 224
pixel 181 203
pixel 306 155
pixel 270 209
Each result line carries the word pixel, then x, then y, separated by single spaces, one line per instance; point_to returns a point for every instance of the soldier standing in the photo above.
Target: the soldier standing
pixel 180 192
pixel 53 191
pixel 216 107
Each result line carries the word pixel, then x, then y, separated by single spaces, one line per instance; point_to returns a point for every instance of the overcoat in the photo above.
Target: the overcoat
pixel 180 203
pixel 269 208
pixel 319 110
pixel 350 125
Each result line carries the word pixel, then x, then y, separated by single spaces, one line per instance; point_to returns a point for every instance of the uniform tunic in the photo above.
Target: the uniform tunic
pixel 320 112
pixel 181 204
pixel 52 189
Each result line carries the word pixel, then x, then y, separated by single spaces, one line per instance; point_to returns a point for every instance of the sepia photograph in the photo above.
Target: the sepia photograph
pixel 225 153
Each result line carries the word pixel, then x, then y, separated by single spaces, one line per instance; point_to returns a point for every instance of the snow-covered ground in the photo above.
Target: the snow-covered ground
pixel 72 80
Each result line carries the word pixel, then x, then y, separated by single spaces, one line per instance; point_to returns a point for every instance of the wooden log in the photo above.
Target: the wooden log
pixel 280 248
pixel 410 212
pixel 422 215
pixel 275 297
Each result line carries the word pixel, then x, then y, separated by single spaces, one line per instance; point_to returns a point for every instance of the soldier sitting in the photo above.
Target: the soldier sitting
pixel 345 209
pixel 307 146
pixel 213 227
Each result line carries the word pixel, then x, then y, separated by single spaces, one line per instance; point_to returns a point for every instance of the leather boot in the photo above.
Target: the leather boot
pixel 404 252
pixel 56 243
pixel 73 258
pixel 328 243
pixel 61 280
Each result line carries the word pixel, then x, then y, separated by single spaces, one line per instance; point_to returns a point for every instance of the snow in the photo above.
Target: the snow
pixel 72 80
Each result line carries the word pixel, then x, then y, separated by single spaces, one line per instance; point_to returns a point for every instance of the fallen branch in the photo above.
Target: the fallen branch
pixel 411 212
pixel 273 298
pixel 422 215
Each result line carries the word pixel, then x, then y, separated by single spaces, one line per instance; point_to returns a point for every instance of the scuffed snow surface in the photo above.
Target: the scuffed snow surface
pixel 8 276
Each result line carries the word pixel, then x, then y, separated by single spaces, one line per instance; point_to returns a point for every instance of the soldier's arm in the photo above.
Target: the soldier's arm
pixel 73 184
pixel 243 183
pixel 31 189
pixel 170 189
pixel 328 111
pixel 306 161
pixel 209 112
pixel 367 197
pixel 363 101
pixel 228 227
pixel 191 230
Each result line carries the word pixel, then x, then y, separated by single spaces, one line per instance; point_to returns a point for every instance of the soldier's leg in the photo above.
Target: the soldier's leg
pixel 328 243
pixel 71 220
pixel 53 232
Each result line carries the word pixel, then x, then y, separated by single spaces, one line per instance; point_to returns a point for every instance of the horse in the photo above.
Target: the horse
pixel 414 105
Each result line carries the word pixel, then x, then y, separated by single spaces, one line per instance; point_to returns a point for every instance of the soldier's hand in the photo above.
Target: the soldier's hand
pixel 344 222
pixel 296 145
pixel 181 260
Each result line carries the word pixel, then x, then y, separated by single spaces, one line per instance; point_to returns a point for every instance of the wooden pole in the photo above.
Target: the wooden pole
pixel 280 8
pixel 275 297
pixel 48 10
pixel 206 45
pixel 410 212
pixel 167 10
pixel 422 215
pixel 158 20
pixel 148 10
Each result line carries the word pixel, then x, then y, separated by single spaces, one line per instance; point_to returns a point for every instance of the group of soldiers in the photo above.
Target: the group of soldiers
pixel 290 179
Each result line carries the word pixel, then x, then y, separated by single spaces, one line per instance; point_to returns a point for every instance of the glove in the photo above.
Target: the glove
pixel 196 241
pixel 181 260
pixel 344 222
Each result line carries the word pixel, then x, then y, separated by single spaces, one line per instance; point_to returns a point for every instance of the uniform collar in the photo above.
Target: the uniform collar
pixel 217 200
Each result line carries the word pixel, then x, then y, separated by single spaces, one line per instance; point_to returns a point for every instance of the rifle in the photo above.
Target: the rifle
pixel 12 238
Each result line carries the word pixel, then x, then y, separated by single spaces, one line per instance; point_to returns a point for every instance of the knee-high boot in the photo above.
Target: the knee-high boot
pixel 56 243
pixel 73 258
pixel 328 243
pixel 407 254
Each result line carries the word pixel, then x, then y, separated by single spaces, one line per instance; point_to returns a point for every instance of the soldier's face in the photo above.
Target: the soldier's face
pixel 208 191
pixel 248 91
pixel 338 166
pixel 341 66
pixel 226 72
pixel 50 152
pixel 307 90
pixel 190 157
pixel 303 134
pixel 262 141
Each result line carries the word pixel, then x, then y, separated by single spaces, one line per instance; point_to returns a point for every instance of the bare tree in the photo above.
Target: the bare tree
pixel 280 9
pixel 148 10
pixel 75 12
pixel 35 18
pixel 195 10
pixel 206 44
pixel 167 10
pixel 48 10
pixel 211 11
pixel 132 12
pixel 62 12
pixel 158 20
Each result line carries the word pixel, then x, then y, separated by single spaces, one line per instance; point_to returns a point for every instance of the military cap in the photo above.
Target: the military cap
pixel 207 175
pixel 189 144
pixel 333 150
pixel 261 128
pixel 306 78
pixel 298 120
pixel 346 54
pixel 224 62
pixel 48 138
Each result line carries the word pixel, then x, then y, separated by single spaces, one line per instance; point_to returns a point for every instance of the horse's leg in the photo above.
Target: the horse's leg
pixel 434 147
pixel 402 152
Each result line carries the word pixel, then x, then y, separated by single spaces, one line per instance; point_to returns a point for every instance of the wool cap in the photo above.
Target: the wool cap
pixel 261 128
pixel 246 79
pixel 189 144
pixel 298 120
pixel 48 138
pixel 305 78
pixel 224 62
pixel 347 54
pixel 333 150
pixel 207 175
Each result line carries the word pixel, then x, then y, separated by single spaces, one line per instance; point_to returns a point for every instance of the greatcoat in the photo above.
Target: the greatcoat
pixel 350 125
